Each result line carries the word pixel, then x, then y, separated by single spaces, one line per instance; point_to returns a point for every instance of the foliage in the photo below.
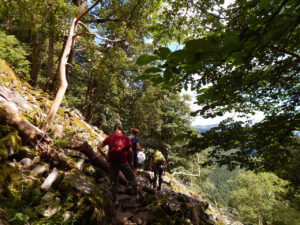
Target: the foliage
pixel 220 194
pixel 20 199
pixel 38 24
pixel 263 146
pixel 13 52
pixel 179 21
pixel 260 199
pixel 249 62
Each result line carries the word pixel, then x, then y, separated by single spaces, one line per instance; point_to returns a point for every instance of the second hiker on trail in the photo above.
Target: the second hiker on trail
pixel 119 147
pixel 135 146
pixel 141 157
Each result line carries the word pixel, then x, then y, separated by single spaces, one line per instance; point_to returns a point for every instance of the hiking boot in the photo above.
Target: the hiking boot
pixel 129 190
pixel 116 204
pixel 140 198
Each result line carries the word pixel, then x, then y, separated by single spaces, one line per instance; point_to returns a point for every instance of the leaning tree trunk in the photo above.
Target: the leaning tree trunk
pixel 63 83
pixel 95 159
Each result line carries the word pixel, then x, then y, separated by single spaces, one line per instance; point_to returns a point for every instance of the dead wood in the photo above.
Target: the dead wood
pixel 10 102
pixel 95 159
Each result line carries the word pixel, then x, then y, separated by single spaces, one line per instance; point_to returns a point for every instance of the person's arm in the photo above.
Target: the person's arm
pixel 137 146
pixel 143 156
pixel 130 152
pixel 150 165
pixel 100 149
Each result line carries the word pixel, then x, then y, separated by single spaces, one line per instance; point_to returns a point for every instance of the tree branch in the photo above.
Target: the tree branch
pixel 83 14
pixel 108 20
pixel 92 33
pixel 186 174
pixel 283 50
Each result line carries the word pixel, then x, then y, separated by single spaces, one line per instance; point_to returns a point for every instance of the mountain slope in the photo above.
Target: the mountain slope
pixel 36 190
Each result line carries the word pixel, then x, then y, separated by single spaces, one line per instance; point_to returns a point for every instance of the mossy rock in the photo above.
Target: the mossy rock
pixel 93 171
pixel 25 152
pixel 8 75
pixel 89 202
pixel 8 174
pixel 10 143
pixel 21 196
pixel 3 152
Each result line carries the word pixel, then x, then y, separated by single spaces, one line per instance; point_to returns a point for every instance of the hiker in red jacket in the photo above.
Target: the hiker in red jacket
pixel 119 146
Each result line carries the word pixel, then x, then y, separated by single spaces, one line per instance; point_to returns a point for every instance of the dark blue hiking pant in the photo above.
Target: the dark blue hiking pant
pixel 158 170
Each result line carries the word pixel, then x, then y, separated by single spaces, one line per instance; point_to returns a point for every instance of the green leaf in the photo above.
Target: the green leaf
pixel 142 77
pixel 202 90
pixel 231 41
pixel 157 80
pixel 152 70
pixel 201 45
pixel 162 52
pixel 167 74
pixel 145 59
pixel 178 55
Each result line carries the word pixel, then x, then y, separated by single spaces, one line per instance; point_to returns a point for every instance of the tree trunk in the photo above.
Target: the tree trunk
pixel 87 150
pixel 63 83
pixel 50 58
pixel 90 103
pixel 95 159
pixel 36 57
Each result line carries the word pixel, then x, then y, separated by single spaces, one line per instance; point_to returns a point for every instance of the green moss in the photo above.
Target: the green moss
pixel 25 151
pixel 20 197
pixel 7 174
pixel 8 76
pixel 78 122
pixel 34 117
pixel 61 111
pixel 9 139
pixel 159 217
pixel 69 131
pixel 61 142
pixel 175 187
pixel 3 152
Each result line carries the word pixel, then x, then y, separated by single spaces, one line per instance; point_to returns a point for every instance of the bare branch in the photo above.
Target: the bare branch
pixel 108 20
pixel 92 33
pixel 83 14
pixel 109 40
pixel 186 174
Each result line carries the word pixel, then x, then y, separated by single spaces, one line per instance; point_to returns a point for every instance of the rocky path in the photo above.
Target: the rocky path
pixel 165 206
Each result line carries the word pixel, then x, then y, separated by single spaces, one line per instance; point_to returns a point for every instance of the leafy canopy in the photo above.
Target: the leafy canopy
pixel 248 61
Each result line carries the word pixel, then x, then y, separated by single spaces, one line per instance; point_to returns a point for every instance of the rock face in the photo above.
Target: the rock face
pixel 52 179
pixel 33 191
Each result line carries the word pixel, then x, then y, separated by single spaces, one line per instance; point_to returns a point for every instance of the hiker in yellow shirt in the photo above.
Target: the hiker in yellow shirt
pixel 158 163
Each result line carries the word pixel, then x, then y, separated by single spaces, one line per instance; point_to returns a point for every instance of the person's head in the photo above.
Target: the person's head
pixel 134 131
pixel 156 150
pixel 117 127
pixel 142 149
